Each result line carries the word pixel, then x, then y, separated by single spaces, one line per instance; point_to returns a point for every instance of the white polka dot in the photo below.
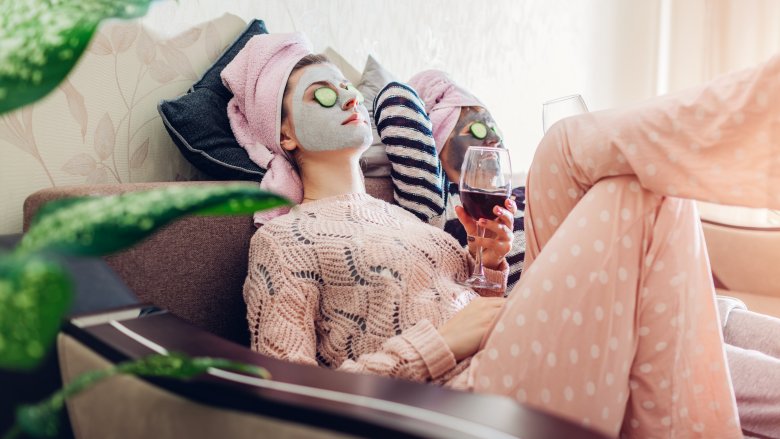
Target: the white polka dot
pixel 605 413
pixel 547 285
pixel 650 169
pixel 521 395
pixel 622 274
pixel 586 422
pixel 633 384
pixel 658 266
pixel 603 277
pixel 577 318
pixel 546 396
pixel 643 331
pixel 664 384
pixel 493 354
pixel 698 388
pixel 611 187
pixel 568 393
pixel 631 149
pixel 661 346
pixel 542 315
pixel 648 405
pixel 526 292
pixel 714 406
pixel 520 320
pixel 551 359
pixel 678 279
pixel 626 241
pixel 625 213
pixel 684 412
pixel 645 368
pixel 573 356
pixel 554 257
pixel 582 222
pixel 610 379
pixel 575 250
pixel 604 216
pixel 620 158
pixel 666 421
pixel 660 308
pixel 598 246
pixel 508 381
pixel 698 427
pixel 536 347
pixel 572 193
pixel 571 281
pixel 654 137
pixel 484 381
pixel 672 190
pixel 551 193
pixel 590 388
pixel 554 168
pixel 553 220
pixel 514 350
pixel 565 314
pixel 634 186
pixel 599 313
pixel 618 308
pixel 613 343
pixel 595 351
pixel 634 423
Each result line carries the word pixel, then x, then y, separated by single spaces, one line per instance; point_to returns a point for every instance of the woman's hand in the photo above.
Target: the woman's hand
pixel 464 331
pixel 498 233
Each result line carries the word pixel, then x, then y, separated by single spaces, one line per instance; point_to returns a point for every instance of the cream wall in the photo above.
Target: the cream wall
pixel 513 54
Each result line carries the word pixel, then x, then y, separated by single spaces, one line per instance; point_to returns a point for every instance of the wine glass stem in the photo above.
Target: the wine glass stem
pixel 479 270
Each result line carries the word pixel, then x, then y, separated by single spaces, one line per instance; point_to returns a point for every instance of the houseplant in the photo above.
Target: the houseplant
pixel 40 42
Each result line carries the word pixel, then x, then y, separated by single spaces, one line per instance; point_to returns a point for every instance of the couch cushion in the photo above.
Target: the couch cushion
pixel 198 122
pixel 374 161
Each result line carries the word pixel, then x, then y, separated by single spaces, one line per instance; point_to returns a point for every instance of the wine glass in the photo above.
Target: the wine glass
pixel 485 182
pixel 557 109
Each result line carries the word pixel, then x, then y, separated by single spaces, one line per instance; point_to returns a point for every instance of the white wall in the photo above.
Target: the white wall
pixel 513 54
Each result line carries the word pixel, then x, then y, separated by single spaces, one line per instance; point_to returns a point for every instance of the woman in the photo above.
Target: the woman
pixel 624 337
pixel 752 339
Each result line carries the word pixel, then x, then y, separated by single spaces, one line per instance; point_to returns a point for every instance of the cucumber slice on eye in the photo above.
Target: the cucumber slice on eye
pixel 325 96
pixel 478 130
pixel 359 96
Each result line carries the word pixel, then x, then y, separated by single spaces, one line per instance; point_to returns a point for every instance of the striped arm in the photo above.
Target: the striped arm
pixel 405 129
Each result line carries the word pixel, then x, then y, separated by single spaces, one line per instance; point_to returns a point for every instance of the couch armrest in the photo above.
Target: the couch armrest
pixel 354 404
pixel 194 267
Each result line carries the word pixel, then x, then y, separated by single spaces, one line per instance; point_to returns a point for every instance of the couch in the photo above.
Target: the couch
pixel 188 282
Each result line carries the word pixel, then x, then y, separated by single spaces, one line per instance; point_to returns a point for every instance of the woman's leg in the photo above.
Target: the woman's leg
pixel 610 323
pixel 751 330
pixel 756 377
pixel 720 142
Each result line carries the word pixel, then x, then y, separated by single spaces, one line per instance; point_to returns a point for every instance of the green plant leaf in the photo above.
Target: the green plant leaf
pixel 43 419
pixel 41 41
pixel 103 225
pixel 34 294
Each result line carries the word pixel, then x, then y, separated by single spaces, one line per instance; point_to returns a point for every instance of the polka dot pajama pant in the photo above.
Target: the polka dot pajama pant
pixel 613 323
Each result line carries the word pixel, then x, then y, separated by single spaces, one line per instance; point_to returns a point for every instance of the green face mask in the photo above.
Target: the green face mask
pixel 327 97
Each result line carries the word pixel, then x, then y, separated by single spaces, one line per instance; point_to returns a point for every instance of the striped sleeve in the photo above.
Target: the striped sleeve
pixel 405 129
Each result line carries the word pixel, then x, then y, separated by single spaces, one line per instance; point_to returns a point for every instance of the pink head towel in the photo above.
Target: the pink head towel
pixel 257 77
pixel 443 99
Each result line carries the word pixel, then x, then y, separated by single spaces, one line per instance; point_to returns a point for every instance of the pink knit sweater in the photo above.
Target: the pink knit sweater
pixel 356 284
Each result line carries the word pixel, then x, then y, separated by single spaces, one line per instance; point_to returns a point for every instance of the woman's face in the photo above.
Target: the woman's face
pixel 473 123
pixel 324 111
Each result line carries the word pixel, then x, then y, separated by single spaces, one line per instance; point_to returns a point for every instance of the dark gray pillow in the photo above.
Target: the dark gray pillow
pixel 199 125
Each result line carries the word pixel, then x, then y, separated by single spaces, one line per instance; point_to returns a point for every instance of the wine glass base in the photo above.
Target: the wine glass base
pixel 481 283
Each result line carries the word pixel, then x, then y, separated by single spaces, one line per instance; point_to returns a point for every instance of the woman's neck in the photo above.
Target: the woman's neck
pixel 327 175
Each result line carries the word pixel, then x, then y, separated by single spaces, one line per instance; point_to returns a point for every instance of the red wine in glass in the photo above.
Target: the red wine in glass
pixel 480 204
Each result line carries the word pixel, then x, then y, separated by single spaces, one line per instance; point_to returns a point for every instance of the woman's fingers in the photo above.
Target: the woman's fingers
pixel 469 223
pixel 501 231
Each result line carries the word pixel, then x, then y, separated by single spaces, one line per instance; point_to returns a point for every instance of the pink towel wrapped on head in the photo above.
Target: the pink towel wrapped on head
pixel 443 99
pixel 257 77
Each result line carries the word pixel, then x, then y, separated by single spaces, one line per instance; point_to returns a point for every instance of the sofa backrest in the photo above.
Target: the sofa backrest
pixel 194 267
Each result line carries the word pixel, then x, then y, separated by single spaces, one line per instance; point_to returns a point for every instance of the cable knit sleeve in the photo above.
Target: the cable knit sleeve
pixel 405 129
pixel 283 309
